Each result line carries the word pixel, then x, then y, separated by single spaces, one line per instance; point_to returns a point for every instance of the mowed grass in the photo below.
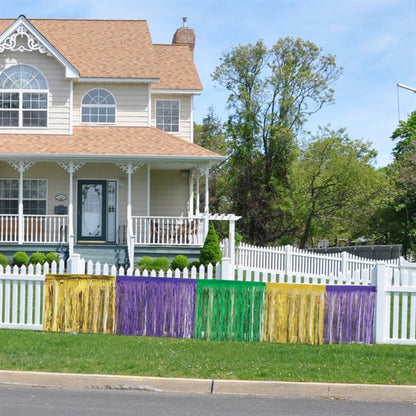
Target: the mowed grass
pixel 169 357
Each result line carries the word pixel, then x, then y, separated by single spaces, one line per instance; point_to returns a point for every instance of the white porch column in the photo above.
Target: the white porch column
pixel 21 166
pixel 20 204
pixel 148 191
pixel 206 209
pixel 191 193
pixel 129 168
pixel 71 168
pixel 198 178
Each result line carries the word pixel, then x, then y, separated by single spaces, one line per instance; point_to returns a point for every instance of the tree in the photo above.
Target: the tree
pixel 406 132
pixel 336 189
pixel 272 93
pixel 211 136
pixel 211 251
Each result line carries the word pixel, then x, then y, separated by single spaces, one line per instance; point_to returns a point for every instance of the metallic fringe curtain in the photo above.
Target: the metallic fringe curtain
pixel 349 314
pixel 229 311
pixel 294 313
pixel 155 307
pixel 76 303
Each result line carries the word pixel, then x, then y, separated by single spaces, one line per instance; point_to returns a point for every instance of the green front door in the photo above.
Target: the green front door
pixel 92 203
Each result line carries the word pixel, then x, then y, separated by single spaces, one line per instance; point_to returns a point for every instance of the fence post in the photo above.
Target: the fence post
pixel 288 260
pixel 74 265
pixel 382 306
pixel 227 269
pixel 344 265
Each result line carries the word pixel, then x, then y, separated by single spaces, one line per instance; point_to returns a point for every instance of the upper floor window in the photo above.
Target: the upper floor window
pixel 23 97
pixel 98 106
pixel 167 115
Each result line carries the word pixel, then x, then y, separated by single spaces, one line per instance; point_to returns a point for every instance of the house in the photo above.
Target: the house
pixel 96 138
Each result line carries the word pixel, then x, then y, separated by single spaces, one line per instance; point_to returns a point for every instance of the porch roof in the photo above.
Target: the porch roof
pixel 104 143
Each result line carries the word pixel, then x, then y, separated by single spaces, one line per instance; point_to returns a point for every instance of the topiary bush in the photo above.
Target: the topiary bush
pixel 4 260
pixel 211 251
pixel 161 263
pixel 37 257
pixel 20 258
pixel 145 263
pixel 180 262
pixel 51 257
pixel 195 264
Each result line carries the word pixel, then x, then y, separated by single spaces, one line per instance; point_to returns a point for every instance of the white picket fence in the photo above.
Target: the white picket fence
pixel 22 289
pixel 22 295
pixel 291 261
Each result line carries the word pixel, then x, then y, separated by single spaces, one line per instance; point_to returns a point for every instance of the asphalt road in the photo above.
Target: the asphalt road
pixel 40 401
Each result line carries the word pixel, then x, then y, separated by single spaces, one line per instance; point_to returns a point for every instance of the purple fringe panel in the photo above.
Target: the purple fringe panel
pixel 160 307
pixel 349 314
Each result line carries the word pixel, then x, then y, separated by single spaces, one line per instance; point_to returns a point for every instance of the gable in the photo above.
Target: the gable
pixel 21 36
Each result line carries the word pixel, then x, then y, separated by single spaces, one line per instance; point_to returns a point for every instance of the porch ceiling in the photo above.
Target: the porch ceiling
pixel 99 144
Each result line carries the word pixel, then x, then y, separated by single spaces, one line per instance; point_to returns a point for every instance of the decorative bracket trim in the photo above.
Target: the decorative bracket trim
pixel 11 42
pixel 71 167
pixel 129 168
pixel 21 165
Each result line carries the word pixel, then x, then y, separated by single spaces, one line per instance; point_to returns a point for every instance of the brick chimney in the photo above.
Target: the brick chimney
pixel 184 36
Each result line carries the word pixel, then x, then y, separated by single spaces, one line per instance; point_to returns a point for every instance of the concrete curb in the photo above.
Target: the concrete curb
pixel 357 392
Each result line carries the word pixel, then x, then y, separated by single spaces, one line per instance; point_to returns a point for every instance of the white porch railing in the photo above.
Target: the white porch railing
pixel 168 230
pixel 35 229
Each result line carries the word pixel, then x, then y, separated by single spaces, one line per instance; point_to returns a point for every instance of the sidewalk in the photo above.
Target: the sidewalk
pixel 357 392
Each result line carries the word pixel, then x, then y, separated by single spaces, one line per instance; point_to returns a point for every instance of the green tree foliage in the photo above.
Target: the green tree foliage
pixel 336 190
pixel 211 136
pixel 400 217
pixel 273 91
pixel 211 251
pixel 406 135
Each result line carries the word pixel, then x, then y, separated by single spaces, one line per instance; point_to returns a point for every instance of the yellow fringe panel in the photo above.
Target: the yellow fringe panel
pixel 294 313
pixel 78 303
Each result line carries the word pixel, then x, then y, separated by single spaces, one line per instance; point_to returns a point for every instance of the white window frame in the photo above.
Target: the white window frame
pixel 166 124
pixel 98 106
pixel 20 110
pixel 25 191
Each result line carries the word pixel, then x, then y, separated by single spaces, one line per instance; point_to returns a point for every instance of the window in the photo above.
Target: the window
pixel 167 115
pixel 23 97
pixel 98 106
pixel 34 196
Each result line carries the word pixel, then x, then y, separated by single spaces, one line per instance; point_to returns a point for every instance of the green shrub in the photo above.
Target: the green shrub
pixel 211 251
pixel 161 263
pixel 3 260
pixel 195 263
pixel 180 262
pixel 20 258
pixel 51 257
pixel 145 263
pixel 37 257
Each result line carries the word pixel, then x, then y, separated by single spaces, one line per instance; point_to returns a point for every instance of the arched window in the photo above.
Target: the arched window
pixel 23 97
pixel 98 106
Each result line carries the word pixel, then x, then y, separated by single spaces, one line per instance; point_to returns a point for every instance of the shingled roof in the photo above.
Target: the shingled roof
pixel 122 142
pixel 118 49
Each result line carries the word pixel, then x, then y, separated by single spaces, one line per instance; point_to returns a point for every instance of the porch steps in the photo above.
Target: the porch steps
pixel 111 254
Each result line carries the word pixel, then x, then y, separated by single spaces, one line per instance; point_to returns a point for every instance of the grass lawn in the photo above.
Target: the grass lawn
pixel 170 357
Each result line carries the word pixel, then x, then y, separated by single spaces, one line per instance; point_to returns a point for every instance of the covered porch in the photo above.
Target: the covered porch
pixel 62 225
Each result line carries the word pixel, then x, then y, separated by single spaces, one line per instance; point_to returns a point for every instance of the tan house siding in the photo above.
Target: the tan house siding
pixel 131 100
pixel 169 193
pixel 59 91
pixel 185 111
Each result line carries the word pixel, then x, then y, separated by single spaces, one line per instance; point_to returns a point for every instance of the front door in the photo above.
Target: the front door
pixel 92 202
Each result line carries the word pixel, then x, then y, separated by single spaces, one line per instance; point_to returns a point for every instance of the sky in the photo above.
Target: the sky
pixel 373 40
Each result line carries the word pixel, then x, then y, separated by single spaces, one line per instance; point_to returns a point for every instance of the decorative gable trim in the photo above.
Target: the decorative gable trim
pixel 10 43
pixel 35 42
